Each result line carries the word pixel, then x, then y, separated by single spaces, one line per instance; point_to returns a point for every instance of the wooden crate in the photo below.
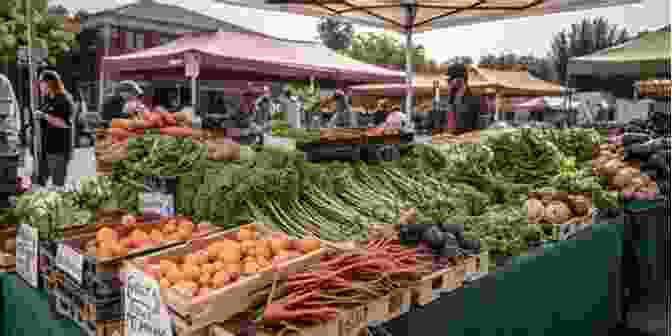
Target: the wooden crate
pixel 194 318
pixel 446 279
pixel 104 272
pixel 350 322
pixel 8 258
pixel 111 328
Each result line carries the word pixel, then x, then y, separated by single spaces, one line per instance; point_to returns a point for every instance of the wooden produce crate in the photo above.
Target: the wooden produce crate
pixel 445 279
pixel 350 322
pixel 195 316
pixel 8 244
pixel 101 275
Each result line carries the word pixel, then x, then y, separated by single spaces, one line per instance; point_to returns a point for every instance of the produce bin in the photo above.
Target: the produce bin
pixel 572 288
pixel 649 222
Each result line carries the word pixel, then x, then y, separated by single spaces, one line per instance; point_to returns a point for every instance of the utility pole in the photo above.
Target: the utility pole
pixel 37 145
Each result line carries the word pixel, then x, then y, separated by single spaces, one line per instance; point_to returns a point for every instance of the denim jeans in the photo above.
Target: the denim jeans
pixel 57 168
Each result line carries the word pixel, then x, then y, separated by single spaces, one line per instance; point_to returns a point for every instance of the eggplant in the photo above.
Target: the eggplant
pixel 411 233
pixel 455 229
pixel 451 248
pixel 434 237
pixel 635 138
pixel 473 246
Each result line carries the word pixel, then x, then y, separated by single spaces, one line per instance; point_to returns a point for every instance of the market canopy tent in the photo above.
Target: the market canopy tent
pixel 648 55
pixel 408 16
pixel 241 56
pixel 482 81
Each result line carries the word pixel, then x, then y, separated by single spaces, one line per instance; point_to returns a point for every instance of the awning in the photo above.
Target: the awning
pixel 482 81
pixel 429 14
pixel 241 56
pixel 646 56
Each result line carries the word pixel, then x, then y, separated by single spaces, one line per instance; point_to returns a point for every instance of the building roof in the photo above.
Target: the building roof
pixel 152 10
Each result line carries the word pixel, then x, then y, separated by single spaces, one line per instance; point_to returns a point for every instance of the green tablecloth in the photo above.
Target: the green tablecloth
pixel 569 290
pixel 572 288
pixel 24 311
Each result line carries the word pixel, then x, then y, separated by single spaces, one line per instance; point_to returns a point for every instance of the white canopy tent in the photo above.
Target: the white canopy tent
pixel 408 16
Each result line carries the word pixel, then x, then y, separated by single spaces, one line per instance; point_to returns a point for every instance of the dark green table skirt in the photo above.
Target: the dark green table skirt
pixel 568 290
pixel 573 288
pixel 24 311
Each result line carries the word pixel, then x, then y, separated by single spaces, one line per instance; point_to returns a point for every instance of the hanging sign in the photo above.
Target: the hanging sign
pixel 145 313
pixel 26 253
pixel 159 196
pixel 70 261
pixel 191 65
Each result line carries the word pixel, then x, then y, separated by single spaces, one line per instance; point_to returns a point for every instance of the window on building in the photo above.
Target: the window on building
pixel 166 39
pixel 135 40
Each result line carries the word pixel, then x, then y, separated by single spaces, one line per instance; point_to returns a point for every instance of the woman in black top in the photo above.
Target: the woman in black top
pixel 56 125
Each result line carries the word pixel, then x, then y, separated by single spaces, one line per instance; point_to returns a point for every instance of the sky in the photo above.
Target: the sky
pixel 522 36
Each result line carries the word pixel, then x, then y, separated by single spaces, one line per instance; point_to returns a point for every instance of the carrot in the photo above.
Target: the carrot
pixel 119 133
pixel 277 313
pixel 169 119
pixel 177 131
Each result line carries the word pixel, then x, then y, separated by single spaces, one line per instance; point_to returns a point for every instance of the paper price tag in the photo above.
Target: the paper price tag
pixel 145 313
pixel 159 196
pixel 70 261
pixel 26 253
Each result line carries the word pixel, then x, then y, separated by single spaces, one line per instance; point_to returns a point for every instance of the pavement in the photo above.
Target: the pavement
pixel 84 161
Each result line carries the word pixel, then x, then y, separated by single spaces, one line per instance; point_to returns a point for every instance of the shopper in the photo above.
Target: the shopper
pixel 465 109
pixel 124 102
pixel 56 125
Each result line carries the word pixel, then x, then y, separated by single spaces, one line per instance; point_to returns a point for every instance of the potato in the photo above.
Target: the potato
pixel 191 272
pixel 175 275
pixel 166 266
pixel 10 245
pixel 156 236
pixel 245 235
pixel 250 267
pixel 309 245
pixel 557 212
pixel 192 259
pixel 106 234
pixel 279 244
pixel 164 283
pixel 229 255
pixel 205 279
pixel 208 268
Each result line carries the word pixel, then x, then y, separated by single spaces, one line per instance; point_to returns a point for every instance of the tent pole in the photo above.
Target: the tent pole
pixel 410 18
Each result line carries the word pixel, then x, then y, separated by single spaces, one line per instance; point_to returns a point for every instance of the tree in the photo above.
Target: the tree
pixel 335 33
pixel 539 67
pixel 460 60
pixel 47 30
pixel 58 10
pixel 384 49
pixel 583 38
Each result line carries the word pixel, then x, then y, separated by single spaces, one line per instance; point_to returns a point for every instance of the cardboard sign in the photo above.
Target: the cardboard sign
pixel 144 311
pixel 159 196
pixel 70 261
pixel 26 253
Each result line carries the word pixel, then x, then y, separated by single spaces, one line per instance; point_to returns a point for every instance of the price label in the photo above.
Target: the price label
pixel 70 261
pixel 26 253
pixel 159 196
pixel 145 313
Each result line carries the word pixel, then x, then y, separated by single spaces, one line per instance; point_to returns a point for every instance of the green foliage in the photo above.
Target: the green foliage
pixel 335 33
pixel 583 38
pixel 539 67
pixel 383 49
pixel 308 93
pixel 47 31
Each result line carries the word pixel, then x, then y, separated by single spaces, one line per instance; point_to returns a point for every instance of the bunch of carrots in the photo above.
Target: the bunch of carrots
pixel 167 123
pixel 345 280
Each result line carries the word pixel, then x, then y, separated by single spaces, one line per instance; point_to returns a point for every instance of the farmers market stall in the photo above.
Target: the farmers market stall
pixel 255 57
pixel 264 228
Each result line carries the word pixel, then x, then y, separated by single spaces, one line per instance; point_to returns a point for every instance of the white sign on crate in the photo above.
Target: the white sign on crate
pixel 26 253
pixel 70 261
pixel 144 311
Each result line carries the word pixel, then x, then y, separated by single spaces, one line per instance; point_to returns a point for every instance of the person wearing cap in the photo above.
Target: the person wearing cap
pixel 56 124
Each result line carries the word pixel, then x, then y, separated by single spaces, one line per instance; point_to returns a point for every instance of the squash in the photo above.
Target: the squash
pixel 120 123
pixel 557 212
pixel 611 167
pixel 535 210
pixel 623 177
pixel 580 204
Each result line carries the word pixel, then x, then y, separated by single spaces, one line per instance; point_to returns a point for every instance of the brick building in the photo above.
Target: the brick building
pixel 140 25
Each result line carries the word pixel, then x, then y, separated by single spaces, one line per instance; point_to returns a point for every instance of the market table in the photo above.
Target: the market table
pixel 572 288
pixel 25 311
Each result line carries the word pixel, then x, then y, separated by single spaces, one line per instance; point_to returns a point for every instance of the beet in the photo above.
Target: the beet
pixel 434 237
pixel 456 229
